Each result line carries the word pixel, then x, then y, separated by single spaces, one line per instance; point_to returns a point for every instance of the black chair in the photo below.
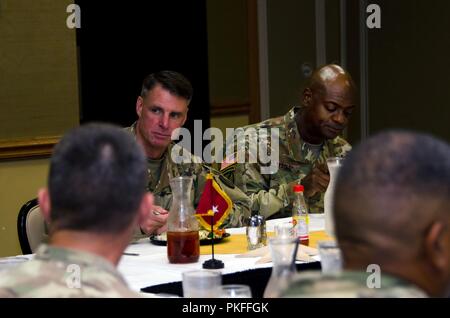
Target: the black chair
pixel 30 227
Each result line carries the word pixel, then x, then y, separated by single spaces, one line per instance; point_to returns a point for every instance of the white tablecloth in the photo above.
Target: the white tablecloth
pixel 151 267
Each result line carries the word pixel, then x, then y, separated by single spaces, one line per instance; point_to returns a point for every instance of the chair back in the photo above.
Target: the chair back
pixel 31 227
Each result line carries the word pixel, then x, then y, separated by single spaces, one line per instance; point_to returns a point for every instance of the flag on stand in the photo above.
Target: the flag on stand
pixel 214 205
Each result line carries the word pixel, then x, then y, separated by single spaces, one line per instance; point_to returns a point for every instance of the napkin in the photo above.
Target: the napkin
pixel 304 254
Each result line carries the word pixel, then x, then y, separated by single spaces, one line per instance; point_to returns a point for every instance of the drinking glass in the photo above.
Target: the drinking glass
pixel 202 284
pixel 236 291
pixel 284 230
pixel 330 257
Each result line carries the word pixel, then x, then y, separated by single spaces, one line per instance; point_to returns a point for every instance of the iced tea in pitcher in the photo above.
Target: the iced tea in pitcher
pixel 183 245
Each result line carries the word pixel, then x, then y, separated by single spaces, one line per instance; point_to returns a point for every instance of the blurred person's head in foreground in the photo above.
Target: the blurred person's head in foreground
pixel 392 208
pixel 96 190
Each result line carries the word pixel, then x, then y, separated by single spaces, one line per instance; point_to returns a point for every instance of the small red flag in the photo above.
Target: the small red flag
pixel 213 202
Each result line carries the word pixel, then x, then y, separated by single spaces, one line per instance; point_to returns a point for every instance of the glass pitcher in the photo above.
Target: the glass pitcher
pixel 283 251
pixel 334 164
pixel 183 244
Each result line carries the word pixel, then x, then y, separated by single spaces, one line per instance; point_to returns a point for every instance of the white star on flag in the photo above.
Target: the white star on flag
pixel 215 209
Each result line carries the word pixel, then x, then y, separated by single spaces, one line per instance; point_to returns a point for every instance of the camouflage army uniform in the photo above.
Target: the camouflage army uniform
pixel 49 274
pixel 198 170
pixel 272 193
pixel 350 285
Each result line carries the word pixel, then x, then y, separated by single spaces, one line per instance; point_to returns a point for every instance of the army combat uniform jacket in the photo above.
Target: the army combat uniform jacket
pixel 272 193
pixel 59 272
pixel 160 187
pixel 351 284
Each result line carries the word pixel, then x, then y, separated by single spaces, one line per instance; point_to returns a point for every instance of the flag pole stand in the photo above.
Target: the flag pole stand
pixel 213 263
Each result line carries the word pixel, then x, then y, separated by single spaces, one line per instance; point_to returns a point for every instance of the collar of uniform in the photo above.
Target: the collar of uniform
pixel 298 149
pixel 172 169
pixel 66 256
pixel 132 128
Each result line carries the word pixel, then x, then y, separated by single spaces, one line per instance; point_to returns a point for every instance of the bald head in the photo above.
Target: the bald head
pixel 330 75
pixel 392 189
pixel 328 100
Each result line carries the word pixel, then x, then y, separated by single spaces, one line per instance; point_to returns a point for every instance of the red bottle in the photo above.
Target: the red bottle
pixel 300 216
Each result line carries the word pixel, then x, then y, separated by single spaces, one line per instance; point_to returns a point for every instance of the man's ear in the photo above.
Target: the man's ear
pixel 307 97
pixel 139 106
pixel 437 247
pixel 146 207
pixel 44 203
pixel 185 116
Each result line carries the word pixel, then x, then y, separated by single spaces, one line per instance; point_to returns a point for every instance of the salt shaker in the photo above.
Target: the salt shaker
pixel 262 222
pixel 256 232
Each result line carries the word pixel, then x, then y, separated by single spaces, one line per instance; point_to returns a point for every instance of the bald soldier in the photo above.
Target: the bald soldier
pixel 95 198
pixel 392 212
pixel 308 135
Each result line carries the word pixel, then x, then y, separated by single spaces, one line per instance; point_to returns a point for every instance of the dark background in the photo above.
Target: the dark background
pixel 121 43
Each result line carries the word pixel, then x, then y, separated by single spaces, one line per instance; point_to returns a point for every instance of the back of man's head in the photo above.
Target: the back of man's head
pixel 391 189
pixel 97 180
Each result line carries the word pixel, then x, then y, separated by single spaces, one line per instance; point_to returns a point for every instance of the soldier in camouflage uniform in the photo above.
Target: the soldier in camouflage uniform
pixel 391 210
pixel 95 196
pixel 162 107
pixel 308 135
pixel 350 285
pixel 158 184
pixel 52 273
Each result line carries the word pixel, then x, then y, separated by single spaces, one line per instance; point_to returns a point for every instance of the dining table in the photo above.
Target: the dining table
pixel 145 264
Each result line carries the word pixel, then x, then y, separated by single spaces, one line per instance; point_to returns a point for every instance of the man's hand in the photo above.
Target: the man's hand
pixel 316 181
pixel 156 221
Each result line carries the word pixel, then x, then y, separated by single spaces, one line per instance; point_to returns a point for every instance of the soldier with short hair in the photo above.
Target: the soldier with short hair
pixel 307 136
pixel 392 221
pixel 162 107
pixel 95 198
